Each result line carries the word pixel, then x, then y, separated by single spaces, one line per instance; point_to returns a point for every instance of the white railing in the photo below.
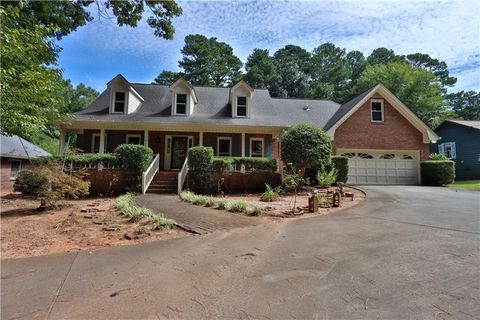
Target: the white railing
pixel 182 175
pixel 148 175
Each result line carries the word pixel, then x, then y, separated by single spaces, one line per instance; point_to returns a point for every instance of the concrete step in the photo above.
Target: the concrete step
pixel 163 185
pixel 161 190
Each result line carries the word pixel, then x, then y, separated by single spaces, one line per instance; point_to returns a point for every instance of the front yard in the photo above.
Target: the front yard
pixel 466 184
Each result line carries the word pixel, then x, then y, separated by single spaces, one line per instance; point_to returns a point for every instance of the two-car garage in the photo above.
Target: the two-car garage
pixel 382 167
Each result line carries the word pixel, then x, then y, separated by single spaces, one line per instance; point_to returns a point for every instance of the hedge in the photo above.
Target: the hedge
pixel 341 164
pixel 135 159
pixel 250 164
pixel 200 160
pixel 437 172
pixel 82 159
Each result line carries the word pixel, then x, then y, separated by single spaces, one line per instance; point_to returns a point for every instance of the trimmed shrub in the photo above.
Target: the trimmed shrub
pixel 222 164
pixel 135 159
pixel 341 164
pixel 437 172
pixel 82 159
pixel 255 164
pixel 437 156
pixel 200 161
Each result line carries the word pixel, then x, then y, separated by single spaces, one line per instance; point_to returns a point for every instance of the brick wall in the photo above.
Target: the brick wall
pixel 395 133
pixel 5 170
pixel 106 182
pixel 237 182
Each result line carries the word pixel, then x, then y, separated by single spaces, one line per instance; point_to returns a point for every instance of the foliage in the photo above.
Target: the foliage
pixel 134 213
pixel 255 211
pixel 200 200
pixel 260 68
pixel 437 156
pixel 167 78
pixel 466 184
pixel 187 196
pixel 222 204
pixel 437 172
pixel 200 160
pixel 341 164
pixel 466 104
pixel 82 159
pixel 135 159
pixel 222 164
pixel 326 178
pixel 321 198
pixel 50 184
pixel 237 206
pixel 77 98
pixel 304 146
pixel 270 194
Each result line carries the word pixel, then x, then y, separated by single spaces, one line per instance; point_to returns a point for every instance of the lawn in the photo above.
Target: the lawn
pixel 466 184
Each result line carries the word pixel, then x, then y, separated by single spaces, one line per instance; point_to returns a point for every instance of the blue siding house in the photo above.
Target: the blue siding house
pixel 460 141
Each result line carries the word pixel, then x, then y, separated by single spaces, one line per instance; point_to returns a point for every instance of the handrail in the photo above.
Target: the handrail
pixel 149 174
pixel 182 175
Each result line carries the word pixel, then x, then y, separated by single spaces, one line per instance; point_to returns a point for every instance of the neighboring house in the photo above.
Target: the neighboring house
pixel 15 155
pixel 460 141
pixel 384 140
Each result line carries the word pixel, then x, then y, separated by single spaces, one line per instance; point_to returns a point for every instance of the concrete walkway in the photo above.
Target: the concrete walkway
pixel 195 218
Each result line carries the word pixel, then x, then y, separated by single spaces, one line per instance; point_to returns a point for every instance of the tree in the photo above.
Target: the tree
pixel 438 68
pixel 466 104
pixel 415 87
pixel 357 63
pixel 77 98
pixel 382 56
pixel 167 77
pixel 261 70
pixel 209 62
pixel 306 146
pixel 296 54
pixel 67 16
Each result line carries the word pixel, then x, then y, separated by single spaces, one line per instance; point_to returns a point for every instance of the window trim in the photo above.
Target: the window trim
pixel 176 103
pixel 453 149
pixel 92 145
pixel 133 135
pixel 218 146
pixel 19 168
pixel 382 111
pixel 237 105
pixel 262 140
pixel 125 97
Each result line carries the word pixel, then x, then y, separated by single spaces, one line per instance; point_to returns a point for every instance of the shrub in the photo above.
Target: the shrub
pixel 82 159
pixel 200 160
pixel 199 200
pixel 222 204
pixel 159 222
pixel 437 156
pixel 222 164
pixel 305 146
pixel 341 164
pixel 437 172
pixel 238 206
pixel 255 164
pixel 134 213
pixel 135 159
pixel 327 178
pixel 256 210
pixel 187 196
pixel 270 193
pixel 210 202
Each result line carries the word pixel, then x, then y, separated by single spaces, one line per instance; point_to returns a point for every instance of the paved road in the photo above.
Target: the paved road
pixel 405 253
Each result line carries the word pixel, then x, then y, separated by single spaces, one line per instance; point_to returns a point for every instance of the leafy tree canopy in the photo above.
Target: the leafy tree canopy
pixel 466 104
pixel 167 77
pixel 261 70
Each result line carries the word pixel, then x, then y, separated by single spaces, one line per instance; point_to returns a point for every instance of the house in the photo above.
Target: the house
pixel 460 141
pixel 15 155
pixel 383 138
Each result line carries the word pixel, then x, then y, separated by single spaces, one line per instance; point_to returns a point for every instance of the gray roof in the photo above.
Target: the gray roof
pixel 468 123
pixel 16 147
pixel 213 107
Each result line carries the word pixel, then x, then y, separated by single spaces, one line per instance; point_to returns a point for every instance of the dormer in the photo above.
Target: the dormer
pixel 240 99
pixel 183 98
pixel 124 99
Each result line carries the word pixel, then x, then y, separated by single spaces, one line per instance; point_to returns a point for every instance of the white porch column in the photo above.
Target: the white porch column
pixel 145 138
pixel 62 141
pixel 200 138
pixel 101 148
pixel 243 144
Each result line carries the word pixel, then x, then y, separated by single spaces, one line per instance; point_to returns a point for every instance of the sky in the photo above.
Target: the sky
pixel 448 31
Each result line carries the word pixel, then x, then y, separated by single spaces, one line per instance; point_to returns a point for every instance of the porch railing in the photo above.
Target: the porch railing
pixel 182 175
pixel 149 174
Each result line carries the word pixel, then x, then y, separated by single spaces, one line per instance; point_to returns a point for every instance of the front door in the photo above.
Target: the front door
pixel 179 152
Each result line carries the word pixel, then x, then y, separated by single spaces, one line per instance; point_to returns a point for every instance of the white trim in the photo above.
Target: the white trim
pixel 133 135
pixel 187 84
pixel 218 146
pixel 62 141
pixel 243 144
pixel 235 114
pixel 175 113
pixel 262 140
pixel 145 138
pixel 19 168
pixel 200 138
pixel 114 100
pixel 442 148
pixel 382 110
pixel 167 157
pixel 92 145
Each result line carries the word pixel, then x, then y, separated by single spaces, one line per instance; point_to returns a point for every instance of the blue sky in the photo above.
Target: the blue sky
pixel 449 31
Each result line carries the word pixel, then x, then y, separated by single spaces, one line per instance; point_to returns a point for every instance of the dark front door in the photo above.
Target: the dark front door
pixel 179 152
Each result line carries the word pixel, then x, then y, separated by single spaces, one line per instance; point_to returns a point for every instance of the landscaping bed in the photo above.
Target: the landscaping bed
pixel 82 224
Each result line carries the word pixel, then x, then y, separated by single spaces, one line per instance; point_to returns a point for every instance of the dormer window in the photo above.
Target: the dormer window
pixel 377 110
pixel 241 106
pixel 119 102
pixel 181 104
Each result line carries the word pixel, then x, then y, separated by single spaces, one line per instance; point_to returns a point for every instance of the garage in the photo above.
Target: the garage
pixel 382 167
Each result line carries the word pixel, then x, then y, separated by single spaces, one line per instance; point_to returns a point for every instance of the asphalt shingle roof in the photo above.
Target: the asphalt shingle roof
pixel 16 147
pixel 468 123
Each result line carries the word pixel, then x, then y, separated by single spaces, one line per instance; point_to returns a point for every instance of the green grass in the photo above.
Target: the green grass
pixel 466 184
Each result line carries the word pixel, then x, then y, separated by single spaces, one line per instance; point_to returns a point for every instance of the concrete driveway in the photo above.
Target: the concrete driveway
pixel 405 253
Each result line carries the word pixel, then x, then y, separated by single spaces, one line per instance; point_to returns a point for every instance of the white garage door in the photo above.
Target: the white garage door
pixel 369 167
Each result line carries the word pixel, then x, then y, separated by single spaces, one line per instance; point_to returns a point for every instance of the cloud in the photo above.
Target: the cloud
pixel 449 31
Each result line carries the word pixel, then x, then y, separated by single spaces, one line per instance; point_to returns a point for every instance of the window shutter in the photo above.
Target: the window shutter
pixel 440 149
pixel 454 150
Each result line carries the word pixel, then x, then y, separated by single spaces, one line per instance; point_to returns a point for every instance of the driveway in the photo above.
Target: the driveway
pixel 404 253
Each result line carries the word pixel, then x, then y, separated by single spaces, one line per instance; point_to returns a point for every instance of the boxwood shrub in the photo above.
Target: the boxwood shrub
pixel 437 172
pixel 82 159
pixel 223 164
pixel 250 164
pixel 200 165
pixel 341 164
pixel 134 159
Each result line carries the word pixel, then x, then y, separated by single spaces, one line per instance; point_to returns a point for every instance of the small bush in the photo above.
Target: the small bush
pixel 134 213
pixel 237 206
pixel 200 160
pixel 222 204
pixel 255 211
pixel 160 222
pixel 270 194
pixel 327 178
pixel 255 164
pixel 341 164
pixel 222 164
pixel 200 200
pixel 437 156
pixel 437 172
pixel 210 202
pixel 82 159
pixel 187 196
pixel 135 159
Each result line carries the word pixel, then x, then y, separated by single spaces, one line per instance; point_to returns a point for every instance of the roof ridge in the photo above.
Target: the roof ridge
pixel 312 99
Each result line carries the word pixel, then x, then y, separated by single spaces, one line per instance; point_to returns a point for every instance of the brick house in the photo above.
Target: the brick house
pixel 384 140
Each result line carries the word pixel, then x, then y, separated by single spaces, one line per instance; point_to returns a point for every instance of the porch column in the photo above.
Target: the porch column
pixel 62 141
pixel 243 144
pixel 200 138
pixel 145 138
pixel 101 148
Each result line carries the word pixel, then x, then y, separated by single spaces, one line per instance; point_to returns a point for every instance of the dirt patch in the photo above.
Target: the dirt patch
pixel 83 224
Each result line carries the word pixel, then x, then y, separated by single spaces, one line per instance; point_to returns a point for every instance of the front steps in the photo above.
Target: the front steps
pixel 164 182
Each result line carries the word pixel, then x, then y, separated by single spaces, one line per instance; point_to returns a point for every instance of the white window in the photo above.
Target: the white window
pixel 224 146
pixel 241 106
pixel 95 147
pixel 181 104
pixel 134 139
pixel 377 110
pixel 448 149
pixel 257 147
pixel 15 168
pixel 119 102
